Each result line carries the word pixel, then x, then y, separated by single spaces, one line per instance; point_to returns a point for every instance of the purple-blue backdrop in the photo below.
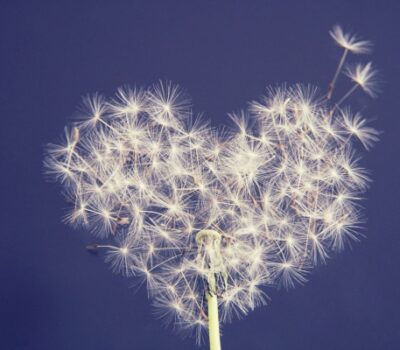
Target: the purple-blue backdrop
pixel 53 294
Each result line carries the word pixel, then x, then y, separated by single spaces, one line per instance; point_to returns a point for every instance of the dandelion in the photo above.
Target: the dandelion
pixel 210 221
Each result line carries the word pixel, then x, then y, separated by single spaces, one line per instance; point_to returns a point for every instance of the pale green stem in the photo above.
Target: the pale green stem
pixel 210 241
pixel 213 318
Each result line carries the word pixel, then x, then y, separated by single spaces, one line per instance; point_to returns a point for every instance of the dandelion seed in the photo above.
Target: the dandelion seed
pixel 364 76
pixel 349 41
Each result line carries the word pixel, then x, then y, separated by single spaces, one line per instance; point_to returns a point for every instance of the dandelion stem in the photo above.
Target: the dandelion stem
pixel 208 242
pixel 345 96
pixel 213 318
pixel 338 69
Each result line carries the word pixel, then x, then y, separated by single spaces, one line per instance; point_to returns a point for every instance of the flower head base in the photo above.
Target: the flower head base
pixel 209 252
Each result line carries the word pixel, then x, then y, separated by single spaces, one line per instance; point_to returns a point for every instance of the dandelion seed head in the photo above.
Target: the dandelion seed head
pixel 194 211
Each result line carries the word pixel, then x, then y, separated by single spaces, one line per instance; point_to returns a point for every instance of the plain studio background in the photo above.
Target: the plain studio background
pixel 53 294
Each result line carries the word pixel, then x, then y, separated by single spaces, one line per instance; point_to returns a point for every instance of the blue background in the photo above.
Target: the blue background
pixel 53 294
